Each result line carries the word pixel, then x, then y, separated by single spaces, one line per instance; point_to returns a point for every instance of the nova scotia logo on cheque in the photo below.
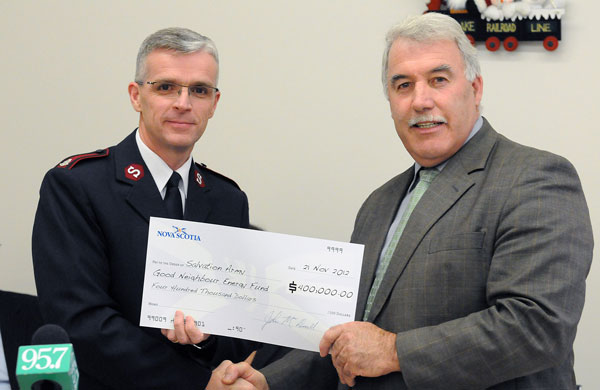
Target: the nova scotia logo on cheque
pixel 179 234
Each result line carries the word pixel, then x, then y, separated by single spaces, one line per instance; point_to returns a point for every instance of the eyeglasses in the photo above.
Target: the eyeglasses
pixel 172 90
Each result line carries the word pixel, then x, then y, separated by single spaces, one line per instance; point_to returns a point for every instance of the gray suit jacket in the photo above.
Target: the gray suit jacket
pixel 487 283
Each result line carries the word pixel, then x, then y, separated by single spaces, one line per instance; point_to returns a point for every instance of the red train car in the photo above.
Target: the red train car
pixel 539 25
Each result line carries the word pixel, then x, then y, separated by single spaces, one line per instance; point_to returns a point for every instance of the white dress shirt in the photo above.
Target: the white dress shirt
pixel 161 172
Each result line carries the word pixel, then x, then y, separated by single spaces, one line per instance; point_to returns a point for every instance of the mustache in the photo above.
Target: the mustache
pixel 426 118
pixel 184 120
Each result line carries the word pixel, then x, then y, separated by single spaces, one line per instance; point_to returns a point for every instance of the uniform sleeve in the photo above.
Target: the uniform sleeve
pixel 72 275
pixel 535 291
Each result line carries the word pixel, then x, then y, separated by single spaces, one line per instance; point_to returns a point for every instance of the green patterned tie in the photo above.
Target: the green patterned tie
pixel 426 176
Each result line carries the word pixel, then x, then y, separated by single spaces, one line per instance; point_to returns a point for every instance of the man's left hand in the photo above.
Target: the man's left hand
pixel 360 349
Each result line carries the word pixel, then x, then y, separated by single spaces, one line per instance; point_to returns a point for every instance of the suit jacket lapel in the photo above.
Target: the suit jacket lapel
pixel 140 189
pixel 198 202
pixel 384 213
pixel 442 194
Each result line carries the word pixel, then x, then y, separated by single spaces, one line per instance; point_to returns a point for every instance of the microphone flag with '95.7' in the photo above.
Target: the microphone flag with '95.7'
pixel 49 363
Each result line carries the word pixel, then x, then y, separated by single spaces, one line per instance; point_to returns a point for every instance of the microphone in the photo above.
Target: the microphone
pixel 49 363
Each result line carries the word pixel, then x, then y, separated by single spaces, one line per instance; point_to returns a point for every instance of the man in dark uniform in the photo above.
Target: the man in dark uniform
pixel 91 226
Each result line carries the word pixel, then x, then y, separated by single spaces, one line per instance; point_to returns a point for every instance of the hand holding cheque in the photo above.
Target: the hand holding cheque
pixel 184 330
pixel 356 348
pixel 261 286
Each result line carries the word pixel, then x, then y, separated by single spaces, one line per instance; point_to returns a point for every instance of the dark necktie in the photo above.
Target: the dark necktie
pixel 173 197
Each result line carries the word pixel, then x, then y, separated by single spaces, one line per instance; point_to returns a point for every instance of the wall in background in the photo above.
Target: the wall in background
pixel 302 124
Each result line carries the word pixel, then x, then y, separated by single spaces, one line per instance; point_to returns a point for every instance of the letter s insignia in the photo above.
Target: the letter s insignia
pixel 134 172
pixel 199 179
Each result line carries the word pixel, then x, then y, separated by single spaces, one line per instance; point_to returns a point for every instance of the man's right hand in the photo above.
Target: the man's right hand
pixel 237 376
pixel 184 330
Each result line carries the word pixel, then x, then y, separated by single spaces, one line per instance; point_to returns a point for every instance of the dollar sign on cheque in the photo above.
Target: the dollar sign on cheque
pixel 292 287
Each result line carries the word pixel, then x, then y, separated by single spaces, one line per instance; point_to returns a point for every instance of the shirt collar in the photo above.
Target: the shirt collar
pixel 159 169
pixel 439 167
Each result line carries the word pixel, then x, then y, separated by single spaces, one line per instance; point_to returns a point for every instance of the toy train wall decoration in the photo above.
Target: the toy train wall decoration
pixel 506 21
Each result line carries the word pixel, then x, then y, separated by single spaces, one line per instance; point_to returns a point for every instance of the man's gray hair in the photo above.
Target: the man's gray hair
pixel 180 40
pixel 432 27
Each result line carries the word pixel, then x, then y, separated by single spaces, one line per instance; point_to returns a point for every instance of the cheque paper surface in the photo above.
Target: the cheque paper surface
pixel 249 284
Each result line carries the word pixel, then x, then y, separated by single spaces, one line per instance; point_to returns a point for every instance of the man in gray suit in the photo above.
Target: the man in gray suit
pixel 486 283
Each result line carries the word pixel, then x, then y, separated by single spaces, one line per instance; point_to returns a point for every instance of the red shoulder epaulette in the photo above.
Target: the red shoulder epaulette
pixel 70 162
pixel 204 167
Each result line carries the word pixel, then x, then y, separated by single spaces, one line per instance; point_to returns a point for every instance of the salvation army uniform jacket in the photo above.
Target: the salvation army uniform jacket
pixel 89 251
